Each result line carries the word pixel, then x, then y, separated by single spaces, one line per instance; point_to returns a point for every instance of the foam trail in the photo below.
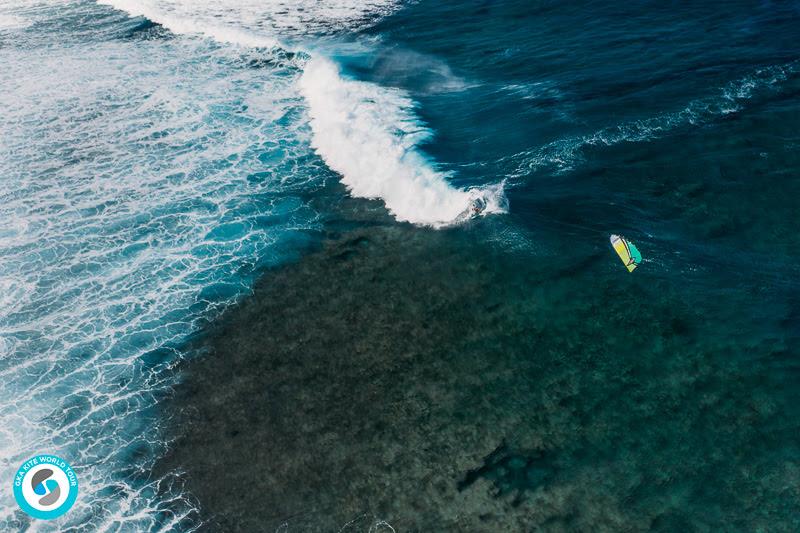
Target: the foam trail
pixel 564 154
pixel 13 22
pixel 147 183
pixel 370 135
pixel 258 23
pixel 179 24
pixel 142 173
pixel 367 133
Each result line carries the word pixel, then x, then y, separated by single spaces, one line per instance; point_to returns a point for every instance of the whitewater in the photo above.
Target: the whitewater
pixel 370 136
pixel 367 133
pixel 155 173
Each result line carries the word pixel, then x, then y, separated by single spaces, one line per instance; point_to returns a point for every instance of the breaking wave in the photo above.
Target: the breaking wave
pixel 367 133
pixel 370 135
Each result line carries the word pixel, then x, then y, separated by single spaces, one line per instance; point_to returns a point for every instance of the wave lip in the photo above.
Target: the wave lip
pixel 370 135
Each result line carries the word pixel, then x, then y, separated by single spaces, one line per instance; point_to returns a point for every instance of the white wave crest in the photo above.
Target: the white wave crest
pixel 370 135
pixel 257 23
pixel 181 22
pixel 13 22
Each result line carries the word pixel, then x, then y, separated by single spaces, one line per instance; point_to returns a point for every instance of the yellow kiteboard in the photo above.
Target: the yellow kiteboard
pixel 626 251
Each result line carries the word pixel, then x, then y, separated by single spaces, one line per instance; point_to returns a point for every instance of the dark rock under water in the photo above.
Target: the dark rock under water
pixel 426 381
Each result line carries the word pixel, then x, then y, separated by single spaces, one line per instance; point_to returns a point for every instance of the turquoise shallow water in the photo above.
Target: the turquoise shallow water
pixel 159 158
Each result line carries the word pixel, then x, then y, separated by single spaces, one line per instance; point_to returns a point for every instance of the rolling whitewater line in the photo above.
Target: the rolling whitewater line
pixel 368 134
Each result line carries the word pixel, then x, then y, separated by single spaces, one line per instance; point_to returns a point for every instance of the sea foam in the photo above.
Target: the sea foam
pixel 257 23
pixel 179 21
pixel 13 22
pixel 137 204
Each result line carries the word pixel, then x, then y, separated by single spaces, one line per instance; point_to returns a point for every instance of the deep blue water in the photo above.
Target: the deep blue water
pixel 156 157
pixel 599 116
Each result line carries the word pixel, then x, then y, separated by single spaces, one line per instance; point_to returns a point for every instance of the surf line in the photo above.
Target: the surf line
pixel 368 134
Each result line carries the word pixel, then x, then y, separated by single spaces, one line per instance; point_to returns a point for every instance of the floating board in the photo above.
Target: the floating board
pixel 626 251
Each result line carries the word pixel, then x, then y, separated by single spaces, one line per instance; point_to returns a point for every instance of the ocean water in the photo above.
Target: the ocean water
pixel 160 159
